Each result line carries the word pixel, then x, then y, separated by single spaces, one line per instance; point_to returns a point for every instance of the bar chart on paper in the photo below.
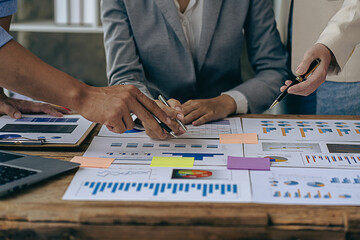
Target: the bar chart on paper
pixel 307 186
pixel 54 130
pixel 332 160
pixel 154 189
pixel 208 130
pixel 142 150
pixel 289 129
pixel 159 184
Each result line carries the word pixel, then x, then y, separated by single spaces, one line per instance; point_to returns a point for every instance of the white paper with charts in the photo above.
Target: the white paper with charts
pixel 140 183
pixel 313 130
pixel 67 129
pixel 319 154
pixel 142 150
pixel 306 186
pixel 208 130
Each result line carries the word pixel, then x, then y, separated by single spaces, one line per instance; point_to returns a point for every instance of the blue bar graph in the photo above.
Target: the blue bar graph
pixel 335 180
pixel 308 129
pixel 346 180
pixel 196 156
pixel 155 189
pixel 357 180
pixel 40 119
pixel 287 130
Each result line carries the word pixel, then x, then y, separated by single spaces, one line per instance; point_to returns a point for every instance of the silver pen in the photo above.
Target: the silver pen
pixel 162 99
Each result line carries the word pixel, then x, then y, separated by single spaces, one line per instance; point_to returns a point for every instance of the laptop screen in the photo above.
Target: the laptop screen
pixel 7 157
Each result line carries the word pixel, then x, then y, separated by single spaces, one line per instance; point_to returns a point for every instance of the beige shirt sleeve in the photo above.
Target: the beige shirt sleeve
pixel 342 33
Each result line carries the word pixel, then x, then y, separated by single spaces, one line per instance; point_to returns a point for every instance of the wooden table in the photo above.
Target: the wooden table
pixel 39 213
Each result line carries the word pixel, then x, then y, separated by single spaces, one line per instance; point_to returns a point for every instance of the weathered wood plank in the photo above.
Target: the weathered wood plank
pixel 24 230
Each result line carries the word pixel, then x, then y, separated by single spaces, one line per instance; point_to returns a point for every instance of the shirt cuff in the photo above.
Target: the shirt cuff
pixel 240 100
pixel 4 37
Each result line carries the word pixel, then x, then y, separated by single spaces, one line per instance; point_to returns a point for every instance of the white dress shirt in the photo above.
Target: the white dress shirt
pixel 191 22
pixel 342 33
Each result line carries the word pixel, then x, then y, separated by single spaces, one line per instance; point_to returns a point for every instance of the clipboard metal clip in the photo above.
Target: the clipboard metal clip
pixel 22 141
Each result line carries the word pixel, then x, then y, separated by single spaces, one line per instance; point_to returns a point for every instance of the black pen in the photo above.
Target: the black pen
pixel 297 80
pixel 163 125
pixel 162 99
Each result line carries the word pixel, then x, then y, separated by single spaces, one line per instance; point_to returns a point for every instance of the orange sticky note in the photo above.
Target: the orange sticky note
pixel 93 162
pixel 239 138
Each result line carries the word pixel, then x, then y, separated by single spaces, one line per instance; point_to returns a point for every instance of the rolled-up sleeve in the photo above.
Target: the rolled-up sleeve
pixel 7 8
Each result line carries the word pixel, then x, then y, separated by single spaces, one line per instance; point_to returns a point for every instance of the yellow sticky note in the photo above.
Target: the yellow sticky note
pixel 93 162
pixel 240 138
pixel 172 162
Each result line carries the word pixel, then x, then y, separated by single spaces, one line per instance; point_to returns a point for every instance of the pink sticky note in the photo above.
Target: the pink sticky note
pixel 239 138
pixel 93 162
pixel 243 163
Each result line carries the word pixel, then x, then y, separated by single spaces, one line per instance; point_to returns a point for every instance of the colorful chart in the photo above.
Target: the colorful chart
pixel 196 156
pixel 332 160
pixel 141 183
pixel 290 129
pixel 157 189
pixel 190 174
pixel 315 184
pixel 45 119
pixel 291 183
pixel 345 196
pixel 277 159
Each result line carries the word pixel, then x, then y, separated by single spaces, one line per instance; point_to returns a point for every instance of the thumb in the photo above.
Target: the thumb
pixel 304 65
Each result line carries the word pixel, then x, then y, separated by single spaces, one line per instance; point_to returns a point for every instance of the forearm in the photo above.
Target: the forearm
pixel 23 72
pixel 342 32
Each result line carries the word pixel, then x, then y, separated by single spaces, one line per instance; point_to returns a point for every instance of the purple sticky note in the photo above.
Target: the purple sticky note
pixel 243 163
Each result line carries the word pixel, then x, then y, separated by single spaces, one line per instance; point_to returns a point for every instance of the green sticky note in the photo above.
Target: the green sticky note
pixel 172 162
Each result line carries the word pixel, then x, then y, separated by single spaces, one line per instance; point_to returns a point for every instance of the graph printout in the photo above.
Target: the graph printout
pixel 318 154
pixel 313 130
pixel 142 150
pixel 208 130
pixel 139 183
pixel 306 186
pixel 67 129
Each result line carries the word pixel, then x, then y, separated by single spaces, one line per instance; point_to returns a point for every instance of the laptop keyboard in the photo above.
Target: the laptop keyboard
pixel 10 174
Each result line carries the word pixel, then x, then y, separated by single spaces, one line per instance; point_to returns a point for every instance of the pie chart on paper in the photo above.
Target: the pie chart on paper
pixel 315 184
pixel 277 159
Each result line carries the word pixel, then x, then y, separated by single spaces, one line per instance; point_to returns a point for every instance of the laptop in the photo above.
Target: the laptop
pixel 18 170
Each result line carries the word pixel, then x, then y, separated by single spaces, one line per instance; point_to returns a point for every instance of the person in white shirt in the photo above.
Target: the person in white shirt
pixel 335 48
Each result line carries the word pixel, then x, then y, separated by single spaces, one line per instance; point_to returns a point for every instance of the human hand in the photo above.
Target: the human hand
pixel 308 86
pixel 174 111
pixel 201 111
pixel 112 106
pixel 14 107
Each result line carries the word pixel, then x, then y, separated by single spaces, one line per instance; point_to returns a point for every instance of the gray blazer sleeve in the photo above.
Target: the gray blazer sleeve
pixel 123 63
pixel 267 57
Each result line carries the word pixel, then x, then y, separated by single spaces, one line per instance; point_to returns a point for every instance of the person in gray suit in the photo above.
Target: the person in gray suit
pixel 189 50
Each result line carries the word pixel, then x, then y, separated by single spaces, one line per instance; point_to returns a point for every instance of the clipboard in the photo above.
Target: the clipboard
pixel 14 139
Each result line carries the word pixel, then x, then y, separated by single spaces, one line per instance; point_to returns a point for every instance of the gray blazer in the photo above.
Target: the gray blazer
pixel 145 46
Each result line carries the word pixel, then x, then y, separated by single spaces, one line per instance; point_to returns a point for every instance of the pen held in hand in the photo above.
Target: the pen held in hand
pixel 162 99
pixel 164 126
pixel 297 80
